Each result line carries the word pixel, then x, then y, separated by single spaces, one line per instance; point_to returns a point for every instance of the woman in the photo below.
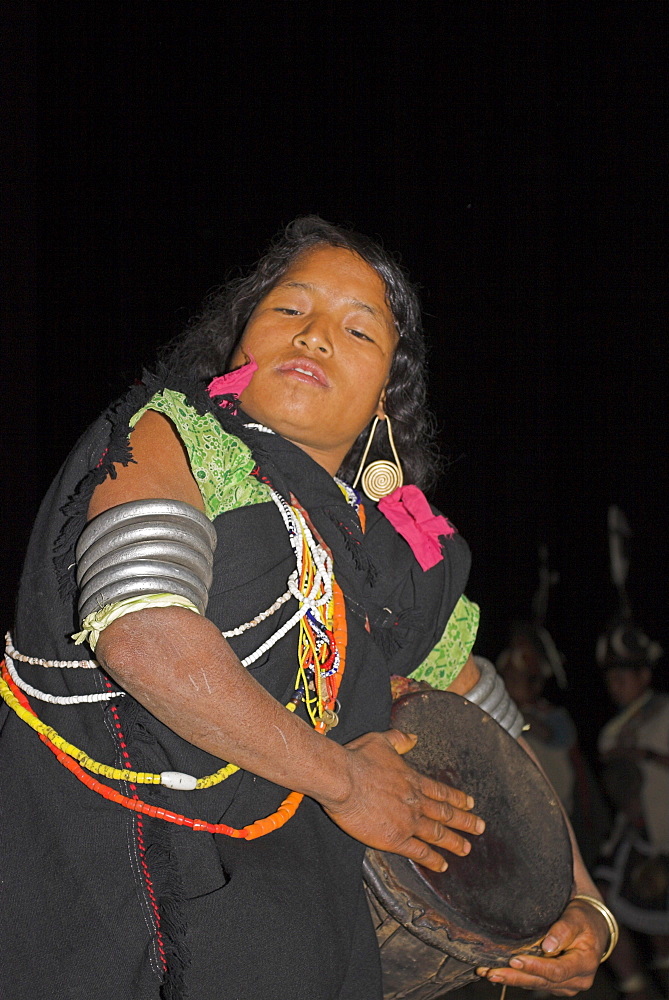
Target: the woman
pixel 320 341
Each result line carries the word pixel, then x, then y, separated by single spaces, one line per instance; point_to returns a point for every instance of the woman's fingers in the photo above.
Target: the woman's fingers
pixel 450 806
pixel 399 741
pixel 457 818
pixel 563 976
pixel 445 810
pixel 429 832
pixel 432 832
pixel 444 793
pixel 393 808
pixel 439 824
pixel 572 951
pixel 418 851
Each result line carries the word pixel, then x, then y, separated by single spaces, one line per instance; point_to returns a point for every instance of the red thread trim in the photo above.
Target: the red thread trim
pixel 255 471
pixel 140 842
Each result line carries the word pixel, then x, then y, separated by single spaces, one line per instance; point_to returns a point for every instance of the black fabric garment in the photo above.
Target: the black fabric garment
pixel 97 901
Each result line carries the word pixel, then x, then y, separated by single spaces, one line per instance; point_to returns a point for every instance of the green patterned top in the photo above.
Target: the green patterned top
pixel 221 464
pixel 444 663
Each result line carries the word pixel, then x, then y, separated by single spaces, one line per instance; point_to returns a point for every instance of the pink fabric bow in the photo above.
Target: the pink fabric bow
pixel 411 516
pixel 234 382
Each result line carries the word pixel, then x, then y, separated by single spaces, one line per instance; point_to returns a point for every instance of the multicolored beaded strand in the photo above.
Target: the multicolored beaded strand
pixel 257 829
pixel 171 779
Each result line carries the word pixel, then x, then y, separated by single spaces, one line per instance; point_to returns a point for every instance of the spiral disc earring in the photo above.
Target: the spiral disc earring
pixel 380 478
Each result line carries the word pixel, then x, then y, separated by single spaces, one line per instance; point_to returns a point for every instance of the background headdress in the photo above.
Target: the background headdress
pixel 623 643
pixel 551 661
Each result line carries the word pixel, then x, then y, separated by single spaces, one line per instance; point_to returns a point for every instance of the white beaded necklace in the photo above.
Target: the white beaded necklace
pixel 298 530
pixel 39 662
pixel 53 699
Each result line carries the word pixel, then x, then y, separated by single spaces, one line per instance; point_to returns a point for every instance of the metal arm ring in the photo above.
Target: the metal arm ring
pixel 155 511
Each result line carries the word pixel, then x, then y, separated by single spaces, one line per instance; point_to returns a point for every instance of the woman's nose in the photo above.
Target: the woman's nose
pixel 316 336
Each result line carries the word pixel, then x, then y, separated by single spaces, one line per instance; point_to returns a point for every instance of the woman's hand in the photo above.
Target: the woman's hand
pixel 391 807
pixel 573 949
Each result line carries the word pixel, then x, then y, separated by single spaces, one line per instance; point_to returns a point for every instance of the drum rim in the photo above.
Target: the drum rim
pixel 468 947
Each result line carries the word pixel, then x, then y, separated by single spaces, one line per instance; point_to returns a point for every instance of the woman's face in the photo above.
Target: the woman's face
pixel 522 672
pixel 323 339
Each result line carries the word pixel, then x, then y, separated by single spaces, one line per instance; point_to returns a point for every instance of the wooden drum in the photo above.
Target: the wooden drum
pixel 435 929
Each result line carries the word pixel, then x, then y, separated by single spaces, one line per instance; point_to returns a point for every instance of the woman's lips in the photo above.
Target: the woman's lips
pixel 305 371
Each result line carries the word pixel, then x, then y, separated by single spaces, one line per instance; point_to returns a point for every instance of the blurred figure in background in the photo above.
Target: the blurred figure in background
pixel 634 754
pixel 529 664
pixel 634 760
pixel 525 667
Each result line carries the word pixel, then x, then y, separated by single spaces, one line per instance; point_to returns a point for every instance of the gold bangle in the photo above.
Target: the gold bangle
pixel 611 922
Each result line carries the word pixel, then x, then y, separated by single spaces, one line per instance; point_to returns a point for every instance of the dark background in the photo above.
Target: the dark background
pixel 514 153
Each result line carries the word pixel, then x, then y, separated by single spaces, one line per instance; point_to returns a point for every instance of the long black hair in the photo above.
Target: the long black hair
pixel 205 348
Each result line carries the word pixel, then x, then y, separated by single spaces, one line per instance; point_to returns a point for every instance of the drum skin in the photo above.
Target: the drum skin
pixel 433 928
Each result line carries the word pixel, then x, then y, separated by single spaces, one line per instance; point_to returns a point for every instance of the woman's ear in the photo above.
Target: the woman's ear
pixel 381 408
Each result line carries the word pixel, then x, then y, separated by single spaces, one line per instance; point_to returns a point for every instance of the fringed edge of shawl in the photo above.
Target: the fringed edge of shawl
pixel 116 452
pixel 163 870
pixel 170 900
pixel 392 633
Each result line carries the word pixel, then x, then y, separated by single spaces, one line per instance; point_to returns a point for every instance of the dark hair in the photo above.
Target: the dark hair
pixel 206 346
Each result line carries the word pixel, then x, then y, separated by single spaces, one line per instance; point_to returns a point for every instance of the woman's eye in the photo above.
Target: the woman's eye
pixel 287 311
pixel 360 334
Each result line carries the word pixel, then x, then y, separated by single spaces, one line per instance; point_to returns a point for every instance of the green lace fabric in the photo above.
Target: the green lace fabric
pixel 444 663
pixel 221 464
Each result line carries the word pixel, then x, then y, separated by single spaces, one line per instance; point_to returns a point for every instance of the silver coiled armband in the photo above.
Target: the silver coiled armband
pixel 145 547
pixel 490 694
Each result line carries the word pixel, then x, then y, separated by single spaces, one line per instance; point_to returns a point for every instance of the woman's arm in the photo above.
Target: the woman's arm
pixel 178 665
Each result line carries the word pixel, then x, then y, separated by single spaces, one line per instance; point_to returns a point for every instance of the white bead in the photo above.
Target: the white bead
pixel 177 779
